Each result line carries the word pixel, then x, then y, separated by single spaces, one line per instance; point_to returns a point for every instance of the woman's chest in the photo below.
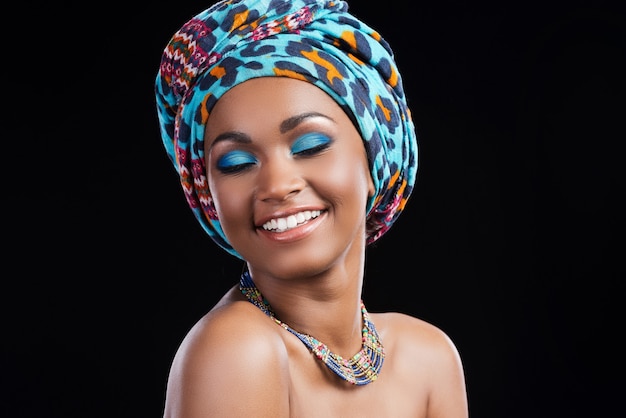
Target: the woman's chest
pixel 316 391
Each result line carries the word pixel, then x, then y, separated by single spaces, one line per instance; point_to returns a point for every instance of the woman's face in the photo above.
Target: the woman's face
pixel 288 175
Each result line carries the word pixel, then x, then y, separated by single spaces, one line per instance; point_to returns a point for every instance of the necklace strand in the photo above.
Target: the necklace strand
pixel 363 368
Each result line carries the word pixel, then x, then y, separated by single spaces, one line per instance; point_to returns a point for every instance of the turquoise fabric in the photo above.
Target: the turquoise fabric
pixel 316 41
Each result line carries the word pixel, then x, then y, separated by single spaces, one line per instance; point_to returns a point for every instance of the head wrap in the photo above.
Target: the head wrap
pixel 312 40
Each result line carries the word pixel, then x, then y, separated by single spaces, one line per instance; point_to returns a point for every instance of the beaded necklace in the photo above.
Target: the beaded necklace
pixel 363 368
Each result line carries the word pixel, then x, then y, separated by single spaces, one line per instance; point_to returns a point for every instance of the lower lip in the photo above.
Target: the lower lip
pixel 294 234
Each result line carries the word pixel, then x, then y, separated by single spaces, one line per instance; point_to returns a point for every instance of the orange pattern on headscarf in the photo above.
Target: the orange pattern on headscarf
pixel 349 38
pixel 218 72
pixel 382 107
pixel 289 73
pixel 393 77
pixel 239 19
pixel 332 71
pixel 203 108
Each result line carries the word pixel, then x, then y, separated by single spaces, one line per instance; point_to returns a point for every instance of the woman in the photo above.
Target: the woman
pixel 289 129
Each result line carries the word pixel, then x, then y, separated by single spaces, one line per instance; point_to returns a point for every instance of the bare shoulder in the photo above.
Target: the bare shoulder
pixel 417 334
pixel 424 357
pixel 233 349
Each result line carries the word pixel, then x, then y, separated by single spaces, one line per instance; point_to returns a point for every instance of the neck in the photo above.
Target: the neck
pixel 360 369
pixel 326 306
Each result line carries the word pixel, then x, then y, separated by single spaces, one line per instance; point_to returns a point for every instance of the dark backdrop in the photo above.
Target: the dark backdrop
pixel 512 241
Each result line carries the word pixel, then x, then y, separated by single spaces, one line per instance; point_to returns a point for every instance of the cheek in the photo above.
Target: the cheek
pixel 348 179
pixel 229 198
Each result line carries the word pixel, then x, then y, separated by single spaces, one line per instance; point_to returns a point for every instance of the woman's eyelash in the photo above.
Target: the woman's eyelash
pixel 310 143
pixel 306 145
pixel 235 161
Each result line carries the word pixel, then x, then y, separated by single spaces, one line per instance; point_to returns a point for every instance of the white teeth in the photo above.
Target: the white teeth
pixel 291 221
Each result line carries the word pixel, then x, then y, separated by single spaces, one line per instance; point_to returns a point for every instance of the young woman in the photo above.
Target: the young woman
pixel 289 129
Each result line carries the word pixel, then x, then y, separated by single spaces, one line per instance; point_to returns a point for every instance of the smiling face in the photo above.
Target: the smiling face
pixel 289 177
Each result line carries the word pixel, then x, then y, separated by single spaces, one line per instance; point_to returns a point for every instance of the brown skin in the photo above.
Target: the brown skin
pixel 236 362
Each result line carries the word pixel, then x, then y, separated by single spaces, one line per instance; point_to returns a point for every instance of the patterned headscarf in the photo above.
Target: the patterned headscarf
pixel 316 41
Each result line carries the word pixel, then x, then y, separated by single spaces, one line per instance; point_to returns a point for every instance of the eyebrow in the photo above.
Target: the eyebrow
pixel 235 136
pixel 292 122
pixel 285 126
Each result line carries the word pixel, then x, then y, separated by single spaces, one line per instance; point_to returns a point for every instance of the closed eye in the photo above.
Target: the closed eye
pixel 310 144
pixel 235 161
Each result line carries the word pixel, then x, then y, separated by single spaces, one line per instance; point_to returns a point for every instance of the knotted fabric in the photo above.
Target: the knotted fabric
pixel 312 40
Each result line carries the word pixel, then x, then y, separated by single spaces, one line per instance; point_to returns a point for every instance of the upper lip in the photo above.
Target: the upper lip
pixel 283 214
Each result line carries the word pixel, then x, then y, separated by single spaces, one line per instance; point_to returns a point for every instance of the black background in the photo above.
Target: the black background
pixel 512 241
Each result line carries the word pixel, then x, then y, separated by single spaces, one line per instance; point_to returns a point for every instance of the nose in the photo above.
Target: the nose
pixel 278 179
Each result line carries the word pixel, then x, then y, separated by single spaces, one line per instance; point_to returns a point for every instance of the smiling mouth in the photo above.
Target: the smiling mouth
pixel 291 221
